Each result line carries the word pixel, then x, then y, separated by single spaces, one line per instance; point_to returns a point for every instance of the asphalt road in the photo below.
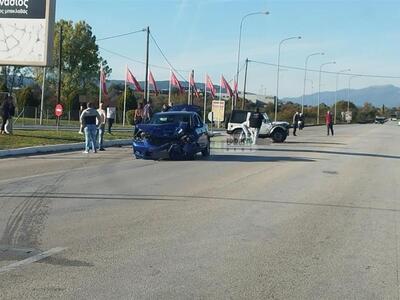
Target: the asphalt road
pixel 314 218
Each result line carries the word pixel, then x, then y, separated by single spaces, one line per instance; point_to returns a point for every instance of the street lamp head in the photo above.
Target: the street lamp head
pixel 299 37
pixel 322 53
pixel 265 12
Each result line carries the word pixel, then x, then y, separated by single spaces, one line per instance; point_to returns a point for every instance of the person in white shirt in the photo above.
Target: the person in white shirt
pixel 110 117
pixel 101 126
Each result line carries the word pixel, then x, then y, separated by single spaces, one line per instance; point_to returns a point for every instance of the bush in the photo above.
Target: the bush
pixel 129 116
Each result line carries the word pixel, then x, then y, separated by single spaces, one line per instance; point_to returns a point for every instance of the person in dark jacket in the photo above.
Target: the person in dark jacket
pixel 296 118
pixel 255 122
pixel 301 121
pixel 88 120
pixel 7 111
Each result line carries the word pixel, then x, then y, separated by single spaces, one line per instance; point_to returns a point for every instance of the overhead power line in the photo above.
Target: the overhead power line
pixel 121 35
pixel 327 72
pixel 166 59
pixel 132 59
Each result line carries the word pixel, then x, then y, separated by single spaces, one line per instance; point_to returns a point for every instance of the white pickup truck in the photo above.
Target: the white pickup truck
pixel 277 131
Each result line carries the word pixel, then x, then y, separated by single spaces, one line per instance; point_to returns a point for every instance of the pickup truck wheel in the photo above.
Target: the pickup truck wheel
pixel 278 136
pixel 238 135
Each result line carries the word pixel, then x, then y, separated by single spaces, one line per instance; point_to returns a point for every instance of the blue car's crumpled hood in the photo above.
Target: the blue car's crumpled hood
pixel 160 130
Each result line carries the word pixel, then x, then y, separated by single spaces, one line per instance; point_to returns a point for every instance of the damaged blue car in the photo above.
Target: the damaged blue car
pixel 175 135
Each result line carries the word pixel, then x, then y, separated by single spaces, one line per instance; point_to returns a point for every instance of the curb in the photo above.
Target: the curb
pixel 58 148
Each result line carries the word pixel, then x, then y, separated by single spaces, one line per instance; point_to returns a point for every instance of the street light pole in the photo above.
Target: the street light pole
pixel 240 39
pixel 277 75
pixel 337 80
pixel 305 77
pixel 319 86
pixel 348 92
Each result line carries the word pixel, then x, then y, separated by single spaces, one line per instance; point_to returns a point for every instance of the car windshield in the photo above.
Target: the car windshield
pixel 170 118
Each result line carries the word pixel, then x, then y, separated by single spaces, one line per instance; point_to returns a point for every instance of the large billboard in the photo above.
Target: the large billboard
pixel 26 32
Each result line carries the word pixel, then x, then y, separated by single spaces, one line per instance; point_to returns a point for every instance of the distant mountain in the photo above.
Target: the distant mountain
pixel 389 95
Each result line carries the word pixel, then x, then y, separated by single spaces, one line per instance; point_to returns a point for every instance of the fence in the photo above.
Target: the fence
pixel 30 115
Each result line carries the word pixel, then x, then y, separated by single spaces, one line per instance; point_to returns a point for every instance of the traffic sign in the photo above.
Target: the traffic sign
pixel 58 110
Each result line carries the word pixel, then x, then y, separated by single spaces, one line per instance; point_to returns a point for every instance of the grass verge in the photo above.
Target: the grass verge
pixel 30 138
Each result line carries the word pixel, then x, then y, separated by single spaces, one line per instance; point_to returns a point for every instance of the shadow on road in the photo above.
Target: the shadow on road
pixel 256 158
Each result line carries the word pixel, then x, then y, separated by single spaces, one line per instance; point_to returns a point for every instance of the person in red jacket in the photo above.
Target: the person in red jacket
pixel 329 122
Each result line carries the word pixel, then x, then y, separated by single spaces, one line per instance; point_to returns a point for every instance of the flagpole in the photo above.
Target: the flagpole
pixel 101 70
pixel 205 99
pixel 123 117
pixel 220 98
pixel 169 93
pixel 189 90
pixel 220 88
pixel 148 87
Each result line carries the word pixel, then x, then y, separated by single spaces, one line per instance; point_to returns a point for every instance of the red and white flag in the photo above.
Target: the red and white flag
pixel 153 82
pixel 226 86
pixel 103 82
pixel 131 79
pixel 193 85
pixel 175 82
pixel 210 86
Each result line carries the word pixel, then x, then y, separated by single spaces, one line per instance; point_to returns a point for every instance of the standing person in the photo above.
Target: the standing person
pixel 301 121
pixel 110 117
pixel 138 117
pixel 101 125
pixel 329 122
pixel 295 122
pixel 89 118
pixel 9 125
pixel 255 122
pixel 5 113
pixel 81 109
pixel 147 111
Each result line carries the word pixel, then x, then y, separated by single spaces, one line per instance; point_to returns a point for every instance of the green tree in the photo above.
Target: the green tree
pixel 367 113
pixel 131 101
pixel 80 63
pixel 27 97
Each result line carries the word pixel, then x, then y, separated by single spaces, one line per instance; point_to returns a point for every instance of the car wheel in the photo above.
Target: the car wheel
pixel 206 151
pixel 278 136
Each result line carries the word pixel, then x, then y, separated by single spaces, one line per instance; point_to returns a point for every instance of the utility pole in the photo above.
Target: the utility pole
pixel 245 82
pixel 59 65
pixel 191 96
pixel 42 98
pixel 146 85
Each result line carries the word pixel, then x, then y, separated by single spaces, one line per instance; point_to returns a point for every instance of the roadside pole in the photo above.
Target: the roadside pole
pixel 189 90
pixel 124 113
pixel 220 99
pixel 205 99
pixel 169 87
pixel 146 82
pixel 59 69
pixel 42 99
pixel 244 84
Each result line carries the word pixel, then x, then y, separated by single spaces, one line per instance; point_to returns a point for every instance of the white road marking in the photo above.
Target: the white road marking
pixel 31 259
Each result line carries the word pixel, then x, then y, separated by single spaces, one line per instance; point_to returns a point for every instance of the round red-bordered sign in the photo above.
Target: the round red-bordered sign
pixel 58 110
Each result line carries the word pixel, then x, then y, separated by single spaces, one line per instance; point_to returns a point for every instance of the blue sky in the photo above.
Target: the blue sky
pixel 203 35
